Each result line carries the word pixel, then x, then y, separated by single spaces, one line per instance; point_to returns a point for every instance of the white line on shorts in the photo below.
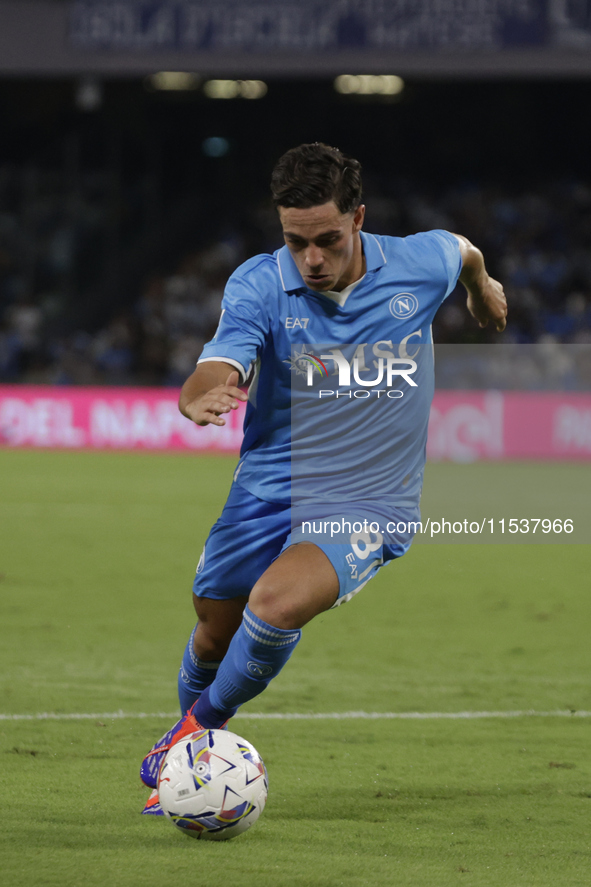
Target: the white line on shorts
pixel 307 716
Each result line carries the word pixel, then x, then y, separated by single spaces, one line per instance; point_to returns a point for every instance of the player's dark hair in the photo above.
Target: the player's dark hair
pixel 312 175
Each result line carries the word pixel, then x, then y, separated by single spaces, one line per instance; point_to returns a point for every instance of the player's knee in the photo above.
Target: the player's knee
pixel 218 622
pixel 274 608
pixel 209 644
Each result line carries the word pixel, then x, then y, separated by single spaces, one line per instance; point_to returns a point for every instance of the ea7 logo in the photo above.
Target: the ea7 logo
pixel 404 305
pixel 350 558
pixel 293 323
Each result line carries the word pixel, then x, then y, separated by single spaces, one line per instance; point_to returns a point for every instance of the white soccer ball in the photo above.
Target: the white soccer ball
pixel 213 785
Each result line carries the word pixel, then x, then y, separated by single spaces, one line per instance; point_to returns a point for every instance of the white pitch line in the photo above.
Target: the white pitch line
pixel 312 716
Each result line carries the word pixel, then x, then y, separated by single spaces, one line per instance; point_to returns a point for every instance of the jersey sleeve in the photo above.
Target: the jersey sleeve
pixel 447 248
pixel 242 328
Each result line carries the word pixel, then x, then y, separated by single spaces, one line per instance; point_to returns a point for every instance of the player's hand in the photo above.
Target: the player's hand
pixel 489 304
pixel 208 409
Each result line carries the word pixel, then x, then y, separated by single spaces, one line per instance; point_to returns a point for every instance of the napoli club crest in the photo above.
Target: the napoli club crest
pixel 404 305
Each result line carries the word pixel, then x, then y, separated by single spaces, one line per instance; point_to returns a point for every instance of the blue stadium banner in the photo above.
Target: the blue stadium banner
pixel 265 26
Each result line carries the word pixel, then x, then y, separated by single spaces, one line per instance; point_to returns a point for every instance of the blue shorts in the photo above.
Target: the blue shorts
pixel 250 534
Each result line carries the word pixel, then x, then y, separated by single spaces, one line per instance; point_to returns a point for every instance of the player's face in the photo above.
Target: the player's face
pixel 325 244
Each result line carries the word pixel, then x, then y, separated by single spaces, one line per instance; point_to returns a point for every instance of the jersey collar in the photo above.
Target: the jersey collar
pixel 292 280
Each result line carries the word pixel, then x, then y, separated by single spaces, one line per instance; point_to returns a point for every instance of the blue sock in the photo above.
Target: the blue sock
pixel 194 676
pixel 257 654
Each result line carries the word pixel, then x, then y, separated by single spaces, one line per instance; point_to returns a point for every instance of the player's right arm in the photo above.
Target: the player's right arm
pixel 212 389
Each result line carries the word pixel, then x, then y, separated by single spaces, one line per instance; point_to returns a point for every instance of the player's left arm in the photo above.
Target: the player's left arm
pixel 486 298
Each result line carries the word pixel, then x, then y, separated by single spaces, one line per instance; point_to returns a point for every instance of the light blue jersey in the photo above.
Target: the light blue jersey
pixel 271 321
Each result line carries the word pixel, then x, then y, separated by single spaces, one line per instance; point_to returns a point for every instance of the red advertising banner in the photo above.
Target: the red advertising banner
pixel 465 426
pixel 108 418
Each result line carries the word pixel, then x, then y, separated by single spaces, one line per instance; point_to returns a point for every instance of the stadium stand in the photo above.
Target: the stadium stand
pixel 537 243
pixel 117 232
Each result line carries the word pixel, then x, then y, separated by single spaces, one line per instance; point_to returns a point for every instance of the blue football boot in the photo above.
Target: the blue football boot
pixel 150 768
pixel 153 807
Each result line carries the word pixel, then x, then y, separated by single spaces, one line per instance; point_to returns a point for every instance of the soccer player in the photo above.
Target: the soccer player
pixel 258 581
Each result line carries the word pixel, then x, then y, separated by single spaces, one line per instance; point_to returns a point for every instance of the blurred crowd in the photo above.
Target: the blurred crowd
pixel 537 243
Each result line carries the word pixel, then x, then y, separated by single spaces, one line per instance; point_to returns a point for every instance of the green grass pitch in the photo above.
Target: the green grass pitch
pixel 98 552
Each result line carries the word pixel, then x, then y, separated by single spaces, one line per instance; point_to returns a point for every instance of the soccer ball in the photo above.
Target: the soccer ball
pixel 212 785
